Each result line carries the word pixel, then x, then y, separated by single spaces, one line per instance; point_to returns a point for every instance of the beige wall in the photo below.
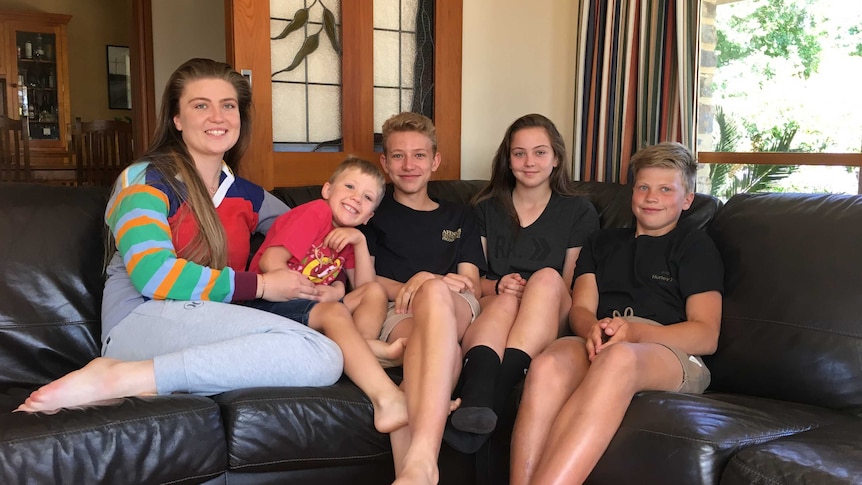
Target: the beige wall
pixel 519 58
pixel 182 30
pixel 94 25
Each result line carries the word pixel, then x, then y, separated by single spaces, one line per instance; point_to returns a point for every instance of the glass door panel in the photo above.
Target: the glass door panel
pixel 403 60
pixel 306 75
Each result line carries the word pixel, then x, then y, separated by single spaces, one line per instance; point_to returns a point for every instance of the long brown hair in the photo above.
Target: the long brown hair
pixel 503 180
pixel 168 154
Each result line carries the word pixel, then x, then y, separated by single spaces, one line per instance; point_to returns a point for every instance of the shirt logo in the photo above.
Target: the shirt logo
pixel 451 236
pixel 322 265
pixel 665 277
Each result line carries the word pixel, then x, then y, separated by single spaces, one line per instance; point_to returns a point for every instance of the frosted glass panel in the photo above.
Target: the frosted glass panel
pixel 325 67
pixel 386 104
pixel 396 56
pixel 408 59
pixel 288 112
pixel 386 59
pixel 386 14
pixel 286 8
pixel 325 99
pixel 408 15
pixel 406 99
pixel 306 80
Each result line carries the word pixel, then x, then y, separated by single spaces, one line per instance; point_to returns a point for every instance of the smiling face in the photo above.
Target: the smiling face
pixel 208 118
pixel 658 199
pixel 409 161
pixel 531 157
pixel 352 196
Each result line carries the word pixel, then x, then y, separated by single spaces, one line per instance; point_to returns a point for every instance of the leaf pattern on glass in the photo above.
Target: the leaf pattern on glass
pixel 312 41
pixel 307 48
pixel 299 20
pixel 329 28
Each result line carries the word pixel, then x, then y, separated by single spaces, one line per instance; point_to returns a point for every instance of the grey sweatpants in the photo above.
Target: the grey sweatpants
pixel 210 347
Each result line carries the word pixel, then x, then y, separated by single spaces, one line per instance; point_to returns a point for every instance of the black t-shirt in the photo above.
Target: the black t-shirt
pixel 404 241
pixel 565 223
pixel 652 275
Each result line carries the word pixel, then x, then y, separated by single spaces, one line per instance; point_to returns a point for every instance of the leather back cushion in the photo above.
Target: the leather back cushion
pixel 612 201
pixel 792 325
pixel 51 253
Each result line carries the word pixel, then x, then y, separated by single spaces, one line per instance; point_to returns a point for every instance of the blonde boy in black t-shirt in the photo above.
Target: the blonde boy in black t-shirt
pixel 434 287
pixel 646 303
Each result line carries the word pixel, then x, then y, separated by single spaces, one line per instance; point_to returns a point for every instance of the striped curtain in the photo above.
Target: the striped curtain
pixel 635 83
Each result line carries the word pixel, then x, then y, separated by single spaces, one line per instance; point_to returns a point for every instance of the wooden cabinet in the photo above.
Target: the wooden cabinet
pixel 38 80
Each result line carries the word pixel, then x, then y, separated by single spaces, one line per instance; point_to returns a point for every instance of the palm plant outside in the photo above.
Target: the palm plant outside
pixel 729 179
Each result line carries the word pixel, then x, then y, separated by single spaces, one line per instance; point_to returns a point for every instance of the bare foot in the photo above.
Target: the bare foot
pixel 454 404
pixel 417 474
pixel 388 354
pixel 390 411
pixel 102 379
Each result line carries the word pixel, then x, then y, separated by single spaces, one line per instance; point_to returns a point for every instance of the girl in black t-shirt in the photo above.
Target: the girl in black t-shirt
pixel 533 225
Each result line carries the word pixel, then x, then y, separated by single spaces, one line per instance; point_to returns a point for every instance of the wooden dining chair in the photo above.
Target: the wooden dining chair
pixel 102 149
pixel 14 150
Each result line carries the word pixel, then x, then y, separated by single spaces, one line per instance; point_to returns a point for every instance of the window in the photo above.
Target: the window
pixel 778 110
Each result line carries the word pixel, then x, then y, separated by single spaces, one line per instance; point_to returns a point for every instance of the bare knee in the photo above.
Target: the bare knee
pixel 619 362
pixel 549 369
pixel 545 277
pixel 546 286
pixel 372 291
pixel 328 315
pixel 434 293
pixel 505 302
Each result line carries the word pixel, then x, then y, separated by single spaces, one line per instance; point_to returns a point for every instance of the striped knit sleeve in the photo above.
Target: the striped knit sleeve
pixel 137 216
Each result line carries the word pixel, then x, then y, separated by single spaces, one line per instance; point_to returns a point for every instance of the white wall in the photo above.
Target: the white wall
pixel 519 58
pixel 183 30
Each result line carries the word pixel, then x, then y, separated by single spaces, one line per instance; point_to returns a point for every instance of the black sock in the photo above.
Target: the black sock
pixel 512 371
pixel 478 377
pixel 476 390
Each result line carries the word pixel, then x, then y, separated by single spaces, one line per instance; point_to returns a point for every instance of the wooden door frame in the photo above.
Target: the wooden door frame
pixel 143 90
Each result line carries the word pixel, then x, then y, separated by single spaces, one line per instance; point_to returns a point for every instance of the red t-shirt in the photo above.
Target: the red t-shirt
pixel 301 231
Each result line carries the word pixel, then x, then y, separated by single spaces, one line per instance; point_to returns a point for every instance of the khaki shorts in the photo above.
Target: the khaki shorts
pixel 695 376
pixel 393 319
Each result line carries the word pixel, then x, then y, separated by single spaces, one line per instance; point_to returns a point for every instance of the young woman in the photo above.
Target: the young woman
pixel 532 225
pixel 180 222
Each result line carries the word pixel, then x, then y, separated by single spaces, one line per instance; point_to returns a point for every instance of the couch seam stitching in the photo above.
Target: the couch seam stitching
pixel 790 324
pixel 300 460
pixel 112 424
pixel 748 468
pixel 760 439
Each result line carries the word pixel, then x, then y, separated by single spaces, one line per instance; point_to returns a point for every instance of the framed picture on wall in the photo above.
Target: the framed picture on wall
pixel 119 78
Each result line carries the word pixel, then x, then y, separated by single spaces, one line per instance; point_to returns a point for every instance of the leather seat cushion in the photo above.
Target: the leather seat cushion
pixel 166 439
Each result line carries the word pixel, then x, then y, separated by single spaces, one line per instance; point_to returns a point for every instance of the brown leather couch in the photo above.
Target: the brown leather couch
pixel 784 405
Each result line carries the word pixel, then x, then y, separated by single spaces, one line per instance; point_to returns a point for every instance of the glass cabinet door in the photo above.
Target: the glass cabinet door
pixel 38 96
